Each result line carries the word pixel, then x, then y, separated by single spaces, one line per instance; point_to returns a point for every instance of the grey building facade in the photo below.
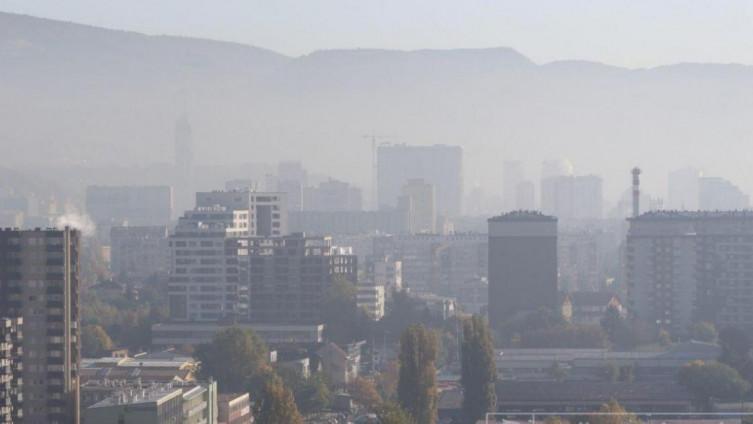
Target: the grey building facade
pixel 522 264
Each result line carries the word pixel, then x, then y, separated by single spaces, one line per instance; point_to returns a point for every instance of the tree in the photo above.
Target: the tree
pixel 557 372
pixel 479 372
pixel 364 392
pixel 276 404
pixel 417 387
pixel 704 332
pixel 95 342
pixel 392 413
pixel 736 351
pixel 343 321
pixel 314 395
pixel 233 358
pixel 618 415
pixel 618 332
pixel 712 381
pixel 386 380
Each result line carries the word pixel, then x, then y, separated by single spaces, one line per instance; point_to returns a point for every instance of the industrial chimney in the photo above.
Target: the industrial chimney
pixel 636 191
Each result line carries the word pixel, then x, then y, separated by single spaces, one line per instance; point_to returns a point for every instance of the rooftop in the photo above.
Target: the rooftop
pixel 661 215
pixel 523 215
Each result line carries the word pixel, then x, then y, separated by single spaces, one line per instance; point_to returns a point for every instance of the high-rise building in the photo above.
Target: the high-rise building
pixel 572 197
pixel 183 146
pixel 683 189
pixel 439 165
pixel 371 300
pixel 110 206
pixel 684 267
pixel 204 283
pixel 139 253
pixel 11 369
pixel 39 283
pixel 522 265
pixel 512 175
pixel 580 258
pixel 421 199
pixel 332 195
pixel 718 194
pixel 290 276
pixel 267 212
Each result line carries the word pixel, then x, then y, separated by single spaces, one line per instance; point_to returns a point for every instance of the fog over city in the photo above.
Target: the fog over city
pixel 376 212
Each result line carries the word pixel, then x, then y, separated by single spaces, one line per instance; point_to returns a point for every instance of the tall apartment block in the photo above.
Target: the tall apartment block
pixel 39 283
pixel 332 195
pixel 289 276
pixel 683 267
pixel 522 264
pixel 139 253
pixel 11 367
pixel 204 280
pixel 439 165
pixel 267 212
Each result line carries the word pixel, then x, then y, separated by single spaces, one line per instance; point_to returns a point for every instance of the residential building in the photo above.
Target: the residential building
pixel 472 296
pixel 572 197
pixel 580 259
pixel 683 267
pixel 267 212
pixel 11 369
pixel 234 408
pixel 371 300
pixel 420 198
pixel 439 165
pixel 204 283
pixel 384 271
pixel 332 195
pixel 289 276
pixel 389 221
pixel 291 180
pixel 110 206
pixel 434 261
pixel 139 253
pixel 522 265
pixel 152 405
pixel 39 283
pixel 718 194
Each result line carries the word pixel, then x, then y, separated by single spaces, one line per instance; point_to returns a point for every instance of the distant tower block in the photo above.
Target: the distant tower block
pixel 183 146
pixel 636 191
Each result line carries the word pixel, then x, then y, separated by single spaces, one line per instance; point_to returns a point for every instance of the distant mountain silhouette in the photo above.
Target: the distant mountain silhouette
pixel 79 94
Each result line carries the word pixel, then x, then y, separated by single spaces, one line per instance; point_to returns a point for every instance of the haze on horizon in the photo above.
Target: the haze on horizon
pixel 632 34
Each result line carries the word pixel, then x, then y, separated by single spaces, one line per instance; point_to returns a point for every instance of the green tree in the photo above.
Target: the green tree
pixel 712 381
pixel 95 341
pixel 343 321
pixel 479 372
pixel 233 358
pixel 314 395
pixel 417 387
pixel 736 351
pixel 276 404
pixel 392 413
pixel 704 332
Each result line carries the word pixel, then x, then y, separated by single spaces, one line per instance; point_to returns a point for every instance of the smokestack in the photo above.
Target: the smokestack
pixel 636 191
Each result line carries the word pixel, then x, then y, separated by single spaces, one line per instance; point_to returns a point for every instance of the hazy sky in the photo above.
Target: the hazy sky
pixel 634 33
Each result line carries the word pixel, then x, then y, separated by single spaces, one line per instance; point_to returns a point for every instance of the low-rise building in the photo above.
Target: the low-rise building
pixel 234 408
pixel 341 365
pixel 589 307
pixel 179 334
